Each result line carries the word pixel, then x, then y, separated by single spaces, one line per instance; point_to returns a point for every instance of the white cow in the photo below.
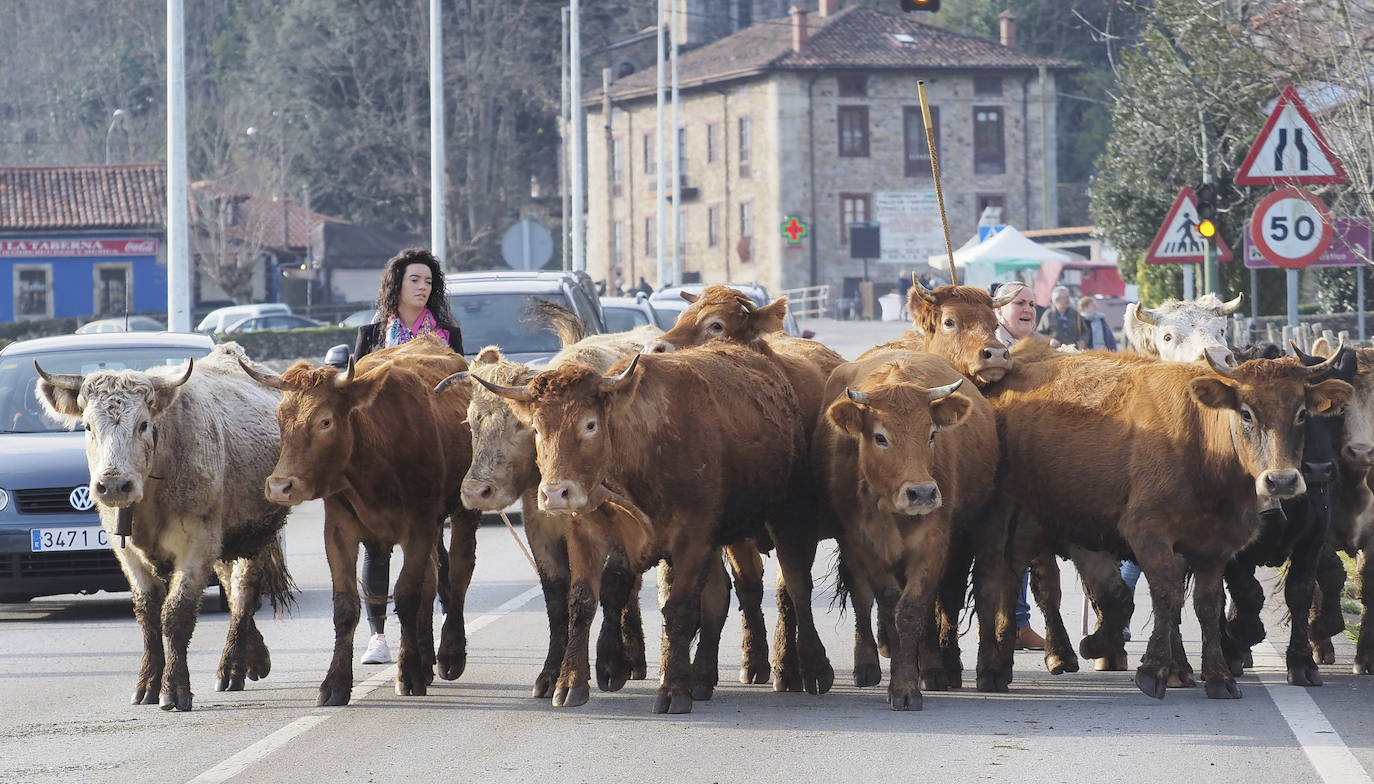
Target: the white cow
pixel 178 461
pixel 1180 330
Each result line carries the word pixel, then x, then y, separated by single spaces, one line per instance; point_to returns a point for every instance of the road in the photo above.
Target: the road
pixel 67 669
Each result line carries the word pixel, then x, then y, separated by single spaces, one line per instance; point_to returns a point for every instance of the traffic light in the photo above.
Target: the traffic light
pixel 926 6
pixel 1207 210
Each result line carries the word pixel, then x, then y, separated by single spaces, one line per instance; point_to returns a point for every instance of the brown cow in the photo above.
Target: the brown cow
pixel 959 324
pixel 900 492
pixel 1184 456
pixel 388 458
pixel 694 450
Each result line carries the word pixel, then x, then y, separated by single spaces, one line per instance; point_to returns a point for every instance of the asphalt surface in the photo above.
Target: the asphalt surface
pixel 68 664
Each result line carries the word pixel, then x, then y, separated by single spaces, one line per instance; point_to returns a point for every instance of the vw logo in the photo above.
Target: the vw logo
pixel 80 498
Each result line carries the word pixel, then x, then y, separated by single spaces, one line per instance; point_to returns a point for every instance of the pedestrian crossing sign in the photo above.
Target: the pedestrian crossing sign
pixel 1290 149
pixel 1178 241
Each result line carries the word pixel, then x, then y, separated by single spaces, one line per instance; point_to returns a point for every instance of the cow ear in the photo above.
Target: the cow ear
pixel 768 319
pixel 487 356
pixel 1321 347
pixel 1329 397
pixel 1214 392
pixel 847 415
pixel 61 404
pixel 363 391
pixel 950 411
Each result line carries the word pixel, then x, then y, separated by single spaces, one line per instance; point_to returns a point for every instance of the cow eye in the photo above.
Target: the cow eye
pixel 880 439
pixel 715 326
pixel 143 427
pixel 1168 336
pixel 86 426
pixel 949 323
pixel 1302 416
pixel 933 431
pixel 1246 416
pixel 591 426
pixel 326 423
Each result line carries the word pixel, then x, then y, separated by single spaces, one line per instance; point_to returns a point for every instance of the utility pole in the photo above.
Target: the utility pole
pixel 564 169
pixel 660 163
pixel 178 220
pixel 1210 273
pixel 579 259
pixel 438 215
pixel 674 29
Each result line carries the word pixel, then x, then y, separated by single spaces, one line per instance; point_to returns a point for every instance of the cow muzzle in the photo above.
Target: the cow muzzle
pixel 1281 483
pixel 484 495
pixel 659 347
pixel 918 498
pixel 993 363
pixel 285 490
pixel 117 490
pixel 562 497
pixel 1358 455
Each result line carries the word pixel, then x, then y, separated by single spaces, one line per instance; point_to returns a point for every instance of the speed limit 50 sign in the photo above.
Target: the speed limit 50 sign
pixel 1291 228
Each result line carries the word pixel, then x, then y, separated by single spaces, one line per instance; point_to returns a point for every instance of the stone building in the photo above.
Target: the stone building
pixel 797 127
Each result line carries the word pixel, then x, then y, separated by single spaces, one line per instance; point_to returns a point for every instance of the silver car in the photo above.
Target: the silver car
pixel 51 541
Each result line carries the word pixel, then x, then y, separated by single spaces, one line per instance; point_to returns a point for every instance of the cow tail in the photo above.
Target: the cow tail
pixel 843 579
pixel 275 580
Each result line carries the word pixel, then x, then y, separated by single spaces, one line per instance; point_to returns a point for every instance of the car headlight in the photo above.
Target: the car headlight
pixel 4 499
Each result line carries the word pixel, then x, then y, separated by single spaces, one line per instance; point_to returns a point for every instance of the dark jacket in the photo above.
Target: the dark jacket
pixel 1064 329
pixel 371 336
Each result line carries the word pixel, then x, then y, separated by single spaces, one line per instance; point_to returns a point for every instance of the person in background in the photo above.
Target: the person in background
pixel 644 286
pixel 1096 332
pixel 1016 320
pixel 411 301
pixel 1061 321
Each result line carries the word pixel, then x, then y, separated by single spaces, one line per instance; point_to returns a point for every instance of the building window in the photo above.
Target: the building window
pixel 617 167
pixel 711 152
pixel 746 220
pixel 914 133
pixel 987 85
pixel 712 226
pixel 746 132
pixel 32 292
pixel 853 125
pixel 618 244
pixel 854 208
pixel 852 86
pixel 649 237
pixel 112 289
pixel 649 153
pixel 995 200
pixel 989 146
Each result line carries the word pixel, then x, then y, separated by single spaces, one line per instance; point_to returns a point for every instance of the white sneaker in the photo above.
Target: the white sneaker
pixel 377 652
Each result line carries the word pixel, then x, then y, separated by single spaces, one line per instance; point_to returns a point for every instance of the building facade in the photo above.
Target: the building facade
pixel 797 128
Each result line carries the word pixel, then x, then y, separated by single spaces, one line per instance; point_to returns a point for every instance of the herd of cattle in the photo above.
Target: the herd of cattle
pixel 936 458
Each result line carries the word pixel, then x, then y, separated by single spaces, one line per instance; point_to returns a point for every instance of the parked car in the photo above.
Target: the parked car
pixel 625 313
pixel 276 322
pixel 217 320
pixel 122 324
pixel 51 541
pixel 359 318
pixel 670 297
pixel 490 308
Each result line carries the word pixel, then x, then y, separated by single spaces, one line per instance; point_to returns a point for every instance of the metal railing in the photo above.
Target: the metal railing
pixel 809 301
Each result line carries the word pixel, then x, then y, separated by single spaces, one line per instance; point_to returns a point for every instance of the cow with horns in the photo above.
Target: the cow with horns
pixel 177 464
pixel 1180 330
pixel 958 323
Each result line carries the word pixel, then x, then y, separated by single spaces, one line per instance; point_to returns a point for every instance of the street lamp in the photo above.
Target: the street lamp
pixel 116 119
pixel 252 131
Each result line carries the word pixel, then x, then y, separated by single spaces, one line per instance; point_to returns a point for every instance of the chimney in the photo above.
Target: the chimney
pixel 1008 20
pixel 829 8
pixel 798 28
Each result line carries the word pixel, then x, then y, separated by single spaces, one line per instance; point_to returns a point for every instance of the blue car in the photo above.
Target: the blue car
pixel 51 541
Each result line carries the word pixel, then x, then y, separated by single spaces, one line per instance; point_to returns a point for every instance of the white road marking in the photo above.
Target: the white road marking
pixel 240 762
pixel 1334 763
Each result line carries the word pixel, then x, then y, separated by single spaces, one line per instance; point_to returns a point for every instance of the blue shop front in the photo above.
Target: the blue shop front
pixel 52 275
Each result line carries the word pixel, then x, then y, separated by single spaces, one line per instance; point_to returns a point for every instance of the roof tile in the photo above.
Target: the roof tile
pixel 127 196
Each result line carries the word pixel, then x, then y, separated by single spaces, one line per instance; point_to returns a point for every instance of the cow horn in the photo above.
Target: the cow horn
pixel 1219 367
pixel 518 394
pixel 858 397
pixel 457 378
pixel 921 289
pixel 690 297
pixel 68 381
pixel 1141 315
pixel 747 304
pixel 266 379
pixel 1006 299
pixel 164 383
pixel 345 376
pixel 1328 363
pixel 1227 308
pixel 1298 352
pixel 613 383
pixel 938 393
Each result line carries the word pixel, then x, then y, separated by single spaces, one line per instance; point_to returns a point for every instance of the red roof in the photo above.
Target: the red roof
pixel 126 196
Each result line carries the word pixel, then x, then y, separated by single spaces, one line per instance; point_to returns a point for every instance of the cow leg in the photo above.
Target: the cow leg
pixel 996 579
pixel 1165 576
pixel 1114 603
pixel 341 551
pixel 926 556
pixel 1364 646
pixel 617 593
pixel 746 564
pixel 462 559
pixel 1208 601
pixel 547 535
pixel 786 658
pixel 149 592
pixel 1327 619
pixel 947 672
pixel 415 587
pixel 424 613
pixel 632 631
pixel 245 654
pixel 715 605
pixel 587 552
pixel 1049 595
pixel 179 613
pixel 1244 623
pixel 681 620
pixel 1298 588
pixel 796 553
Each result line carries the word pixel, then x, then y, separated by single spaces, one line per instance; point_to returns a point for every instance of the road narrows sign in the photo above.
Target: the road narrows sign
pixel 1291 228
pixel 1290 149
pixel 1178 241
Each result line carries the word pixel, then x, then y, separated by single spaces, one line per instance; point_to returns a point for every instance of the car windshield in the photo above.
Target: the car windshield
pixel 20 411
pixel 500 320
pixel 623 319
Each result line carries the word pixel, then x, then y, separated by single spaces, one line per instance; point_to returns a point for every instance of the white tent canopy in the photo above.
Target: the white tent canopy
pixel 999 257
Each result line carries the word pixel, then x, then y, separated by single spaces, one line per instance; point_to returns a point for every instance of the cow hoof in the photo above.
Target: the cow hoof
pixel 544 685
pixel 1249 660
pixel 1224 689
pixel 451 667
pixel 571 696
pixel 701 692
pixel 1111 663
pixel 1148 680
pixel 144 697
pixel 785 682
pixel 994 683
pixel 676 703
pixel 641 671
pixel 753 673
pixel 1058 665
pixel 934 680
pixel 611 681
pixel 1235 666
pixel 181 702
pixel 1360 668
pixel 1324 652
pixel 1095 646
pixel 905 701
pixel 414 688
pixel 333 697
pixel 230 683
pixel 868 674
pixel 820 683
pixel 1304 675
pixel 1181 679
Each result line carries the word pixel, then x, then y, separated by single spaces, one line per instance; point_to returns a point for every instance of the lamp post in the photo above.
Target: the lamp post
pixel 285 208
pixel 115 119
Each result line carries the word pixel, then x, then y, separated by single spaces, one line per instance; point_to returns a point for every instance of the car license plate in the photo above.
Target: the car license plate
pixel 87 537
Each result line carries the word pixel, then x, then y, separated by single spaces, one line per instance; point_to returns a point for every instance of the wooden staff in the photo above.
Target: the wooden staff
pixel 935 171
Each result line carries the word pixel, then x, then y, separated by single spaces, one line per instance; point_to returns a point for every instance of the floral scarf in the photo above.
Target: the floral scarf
pixel 397 332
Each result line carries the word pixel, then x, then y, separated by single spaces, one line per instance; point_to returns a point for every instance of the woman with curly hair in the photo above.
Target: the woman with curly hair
pixel 410 302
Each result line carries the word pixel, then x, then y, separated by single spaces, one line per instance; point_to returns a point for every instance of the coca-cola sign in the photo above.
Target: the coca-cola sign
pixel 60 248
